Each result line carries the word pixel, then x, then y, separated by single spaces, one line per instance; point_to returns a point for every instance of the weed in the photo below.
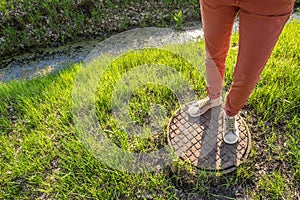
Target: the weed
pixel 178 19
pixel 41 155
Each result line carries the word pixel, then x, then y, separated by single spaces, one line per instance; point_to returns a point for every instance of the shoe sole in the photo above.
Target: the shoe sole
pixel 227 142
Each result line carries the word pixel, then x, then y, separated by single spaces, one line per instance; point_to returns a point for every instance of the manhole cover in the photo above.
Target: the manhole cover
pixel 199 140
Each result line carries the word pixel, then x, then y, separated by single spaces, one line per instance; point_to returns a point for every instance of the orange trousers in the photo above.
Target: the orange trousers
pixel 260 24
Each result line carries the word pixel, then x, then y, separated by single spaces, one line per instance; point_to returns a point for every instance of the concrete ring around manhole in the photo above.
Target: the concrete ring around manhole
pixel 199 140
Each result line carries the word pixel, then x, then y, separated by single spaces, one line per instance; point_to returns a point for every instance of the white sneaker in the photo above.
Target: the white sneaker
pixel 230 129
pixel 200 107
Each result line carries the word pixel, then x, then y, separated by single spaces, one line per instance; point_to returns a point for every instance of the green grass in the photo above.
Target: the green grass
pixel 41 155
pixel 31 24
pixel 27 24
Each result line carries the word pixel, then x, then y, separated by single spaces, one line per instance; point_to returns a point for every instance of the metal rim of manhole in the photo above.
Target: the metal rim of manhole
pixel 199 140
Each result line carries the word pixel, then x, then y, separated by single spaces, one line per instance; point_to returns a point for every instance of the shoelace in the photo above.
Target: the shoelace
pixel 204 102
pixel 230 123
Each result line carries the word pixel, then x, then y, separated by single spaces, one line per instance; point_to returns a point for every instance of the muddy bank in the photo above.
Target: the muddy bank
pixel 31 65
pixel 45 61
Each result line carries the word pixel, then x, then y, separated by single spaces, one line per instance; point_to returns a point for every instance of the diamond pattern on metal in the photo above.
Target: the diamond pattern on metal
pixel 199 140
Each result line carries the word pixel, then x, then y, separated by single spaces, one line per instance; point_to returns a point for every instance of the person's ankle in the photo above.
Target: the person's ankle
pixel 216 99
pixel 228 115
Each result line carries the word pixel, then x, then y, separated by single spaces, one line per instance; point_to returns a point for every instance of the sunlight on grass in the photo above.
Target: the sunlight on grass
pixel 41 155
pixel 273 185
pixel 142 99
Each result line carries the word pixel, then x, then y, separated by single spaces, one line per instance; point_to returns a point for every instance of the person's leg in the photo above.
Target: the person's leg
pixel 261 23
pixel 217 18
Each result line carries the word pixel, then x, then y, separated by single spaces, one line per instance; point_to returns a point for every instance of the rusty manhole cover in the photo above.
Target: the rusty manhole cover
pixel 199 140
